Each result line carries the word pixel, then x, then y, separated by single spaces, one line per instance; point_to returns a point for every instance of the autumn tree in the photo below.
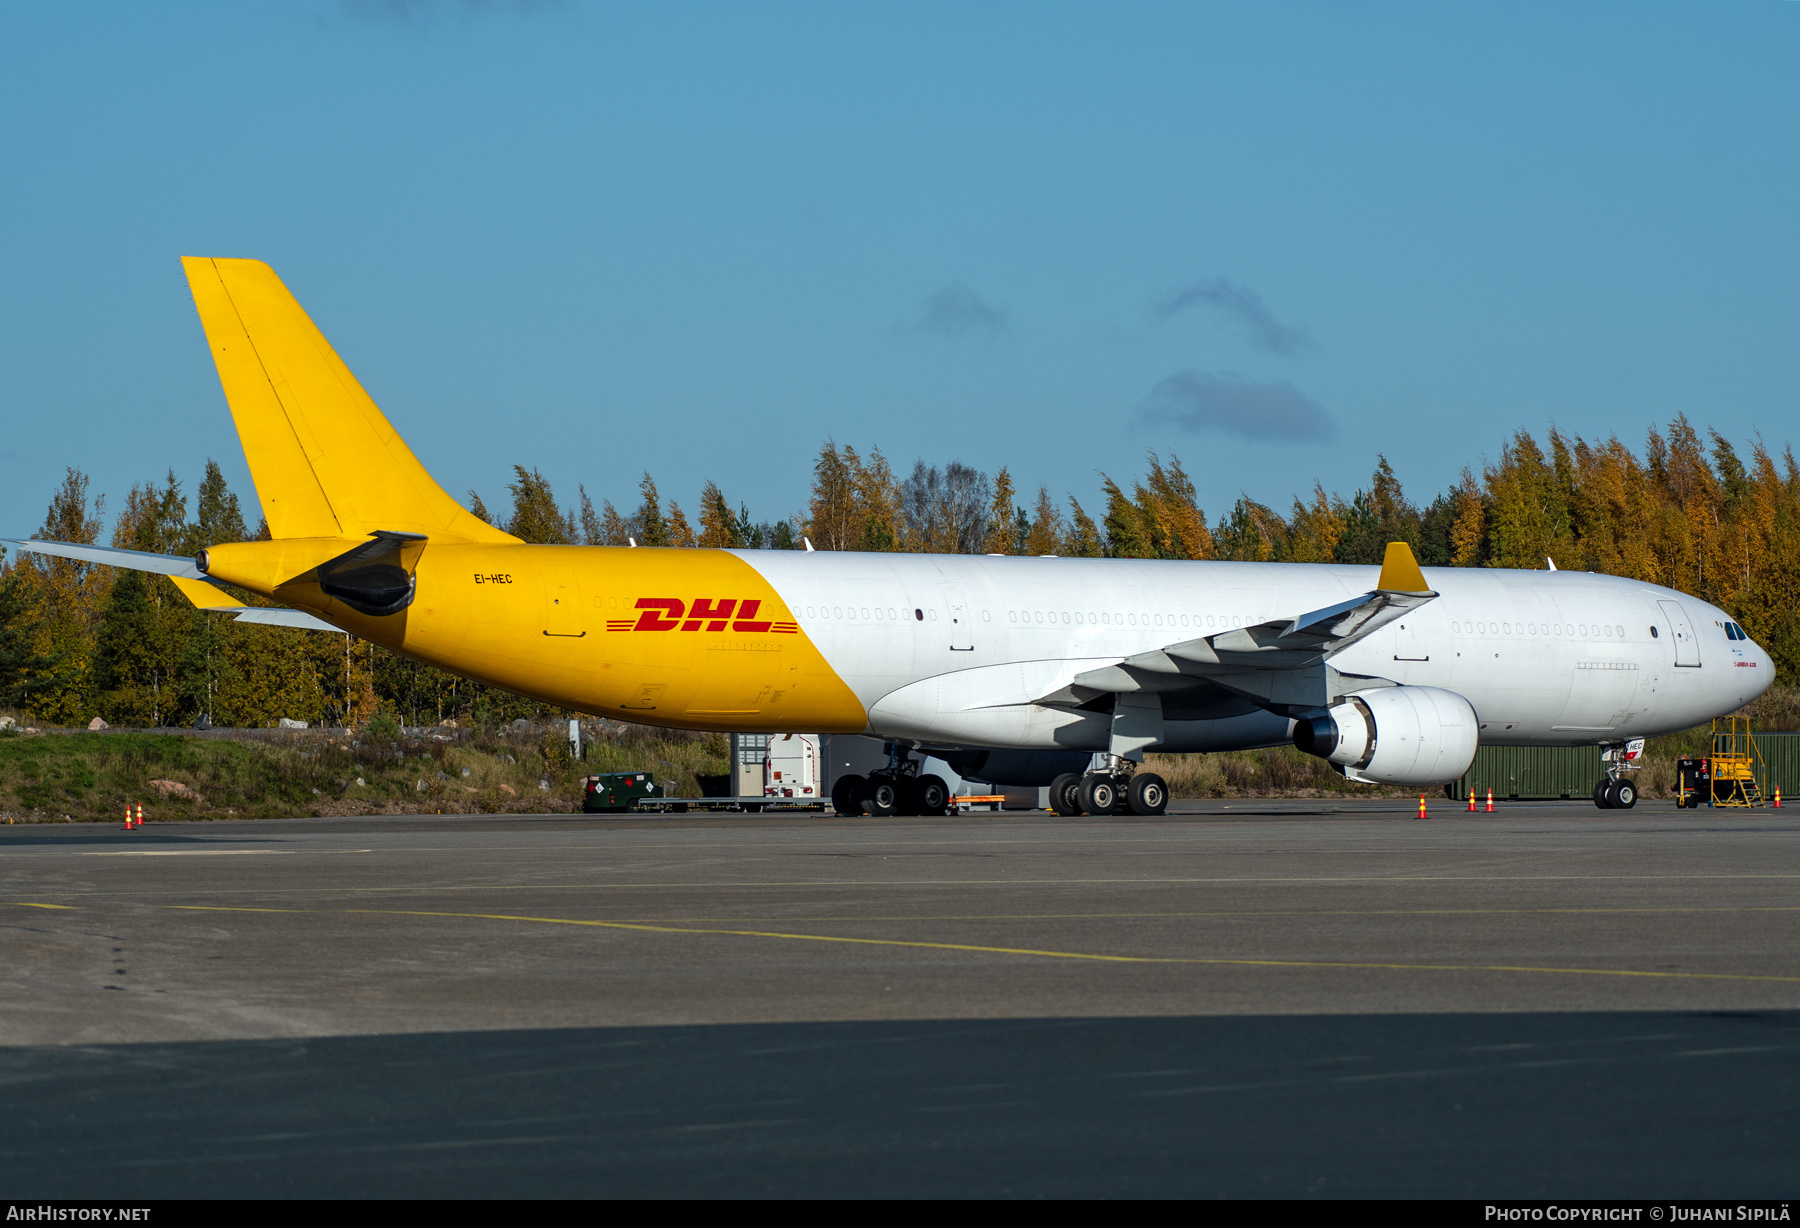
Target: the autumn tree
pixel 1049 530
pixel 719 528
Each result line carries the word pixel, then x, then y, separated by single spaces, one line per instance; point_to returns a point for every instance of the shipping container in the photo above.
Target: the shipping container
pixel 1539 772
pixel 1531 772
pixel 1778 764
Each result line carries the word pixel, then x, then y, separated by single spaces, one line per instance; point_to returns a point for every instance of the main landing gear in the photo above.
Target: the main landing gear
pixel 1119 790
pixel 897 788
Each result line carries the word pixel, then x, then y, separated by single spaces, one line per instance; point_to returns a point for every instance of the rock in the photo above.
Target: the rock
pixel 467 772
pixel 447 724
pixel 288 722
pixel 174 788
pixel 509 790
pixel 521 724
pixel 98 724
pixel 7 722
pixel 420 787
pixel 543 784
pixel 361 783
pixel 203 722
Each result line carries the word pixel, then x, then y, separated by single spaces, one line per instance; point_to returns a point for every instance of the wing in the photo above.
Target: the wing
pixel 1282 665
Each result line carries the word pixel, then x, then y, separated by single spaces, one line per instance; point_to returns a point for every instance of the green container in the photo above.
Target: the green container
pixel 616 792
pixel 1531 772
pixel 1778 765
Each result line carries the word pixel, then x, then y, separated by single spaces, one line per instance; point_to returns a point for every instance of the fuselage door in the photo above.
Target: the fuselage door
pixel 562 603
pixel 962 632
pixel 1687 644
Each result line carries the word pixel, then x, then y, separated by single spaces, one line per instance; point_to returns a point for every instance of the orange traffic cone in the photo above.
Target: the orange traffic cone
pixel 1471 801
pixel 1778 797
pixel 127 816
pixel 140 814
pixel 1421 805
pixel 1490 808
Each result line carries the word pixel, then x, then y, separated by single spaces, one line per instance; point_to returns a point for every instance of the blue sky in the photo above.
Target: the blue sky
pixel 1273 239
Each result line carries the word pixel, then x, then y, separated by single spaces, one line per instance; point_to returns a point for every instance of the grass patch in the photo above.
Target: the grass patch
pixel 80 776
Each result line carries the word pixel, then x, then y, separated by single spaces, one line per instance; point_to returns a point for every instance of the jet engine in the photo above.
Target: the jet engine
pixel 1401 735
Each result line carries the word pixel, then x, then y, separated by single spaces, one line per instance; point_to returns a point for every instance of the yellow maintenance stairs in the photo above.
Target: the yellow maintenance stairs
pixel 1735 761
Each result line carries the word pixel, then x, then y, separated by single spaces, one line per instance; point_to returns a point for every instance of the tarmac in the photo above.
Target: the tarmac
pixel 1247 998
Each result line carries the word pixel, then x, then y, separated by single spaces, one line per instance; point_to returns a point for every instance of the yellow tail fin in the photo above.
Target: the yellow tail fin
pixel 325 461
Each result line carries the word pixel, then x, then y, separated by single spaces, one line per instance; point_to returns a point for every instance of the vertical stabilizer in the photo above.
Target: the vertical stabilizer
pixel 326 462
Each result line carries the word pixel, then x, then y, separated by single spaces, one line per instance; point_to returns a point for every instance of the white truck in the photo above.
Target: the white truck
pixel 792 767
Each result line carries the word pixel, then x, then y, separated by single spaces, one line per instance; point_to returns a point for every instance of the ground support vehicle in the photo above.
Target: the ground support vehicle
pixel 741 805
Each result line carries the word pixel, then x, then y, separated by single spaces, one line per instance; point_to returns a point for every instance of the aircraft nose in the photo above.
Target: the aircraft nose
pixel 1765 669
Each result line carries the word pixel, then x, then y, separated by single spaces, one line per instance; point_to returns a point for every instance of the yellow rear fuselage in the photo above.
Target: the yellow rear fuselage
pixel 695 639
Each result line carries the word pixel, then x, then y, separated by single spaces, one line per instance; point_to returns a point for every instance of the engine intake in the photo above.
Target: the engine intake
pixel 1402 735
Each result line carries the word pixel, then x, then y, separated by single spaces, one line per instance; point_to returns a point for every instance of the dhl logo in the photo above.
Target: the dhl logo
pixel 672 614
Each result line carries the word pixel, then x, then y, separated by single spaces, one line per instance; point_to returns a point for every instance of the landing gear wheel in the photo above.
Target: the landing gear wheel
pixel 932 795
pixel 909 796
pixel 846 794
pixel 1622 795
pixel 1147 794
pixel 1062 794
pixel 881 796
pixel 1602 796
pixel 1098 794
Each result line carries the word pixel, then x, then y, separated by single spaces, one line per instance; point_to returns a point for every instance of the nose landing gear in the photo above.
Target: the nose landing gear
pixel 1616 790
pixel 1615 793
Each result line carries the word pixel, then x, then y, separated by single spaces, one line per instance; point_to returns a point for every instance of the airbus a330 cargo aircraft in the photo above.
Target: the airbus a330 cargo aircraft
pixel 1395 676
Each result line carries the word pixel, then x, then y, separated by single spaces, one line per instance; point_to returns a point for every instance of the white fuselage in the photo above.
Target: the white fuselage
pixel 953 650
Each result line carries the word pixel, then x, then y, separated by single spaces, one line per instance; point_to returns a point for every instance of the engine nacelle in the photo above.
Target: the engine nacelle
pixel 1400 735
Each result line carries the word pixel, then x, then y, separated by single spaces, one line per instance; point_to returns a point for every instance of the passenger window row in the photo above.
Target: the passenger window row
pixel 1556 630
pixel 1036 617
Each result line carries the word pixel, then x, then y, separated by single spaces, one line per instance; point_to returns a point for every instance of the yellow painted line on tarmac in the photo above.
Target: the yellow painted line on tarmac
pixel 1271 912
pixel 29 904
pixel 1084 955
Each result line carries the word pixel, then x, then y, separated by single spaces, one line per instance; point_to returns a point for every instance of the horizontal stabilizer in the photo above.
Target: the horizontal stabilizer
pixel 210 595
pixel 280 616
pixel 206 594
pixel 112 556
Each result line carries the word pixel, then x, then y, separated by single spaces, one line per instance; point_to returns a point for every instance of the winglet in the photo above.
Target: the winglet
pixel 1400 571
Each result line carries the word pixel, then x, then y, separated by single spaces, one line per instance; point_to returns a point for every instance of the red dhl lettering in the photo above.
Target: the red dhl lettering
pixel 712 613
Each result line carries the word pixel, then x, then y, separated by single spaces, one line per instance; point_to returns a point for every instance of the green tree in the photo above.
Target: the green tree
pixel 535 516
pixel 652 528
pixel 25 670
pixel 69 596
pixel 1084 539
pixel 1002 536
